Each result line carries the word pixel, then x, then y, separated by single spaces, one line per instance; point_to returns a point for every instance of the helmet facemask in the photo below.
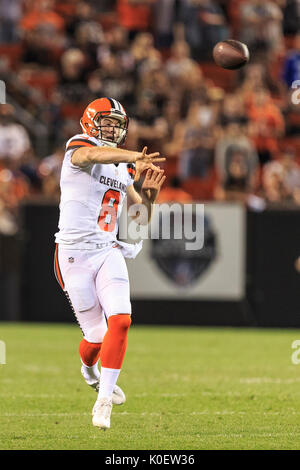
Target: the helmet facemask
pixel 119 127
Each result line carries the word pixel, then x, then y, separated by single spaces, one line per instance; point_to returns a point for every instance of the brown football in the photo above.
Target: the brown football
pixel 231 54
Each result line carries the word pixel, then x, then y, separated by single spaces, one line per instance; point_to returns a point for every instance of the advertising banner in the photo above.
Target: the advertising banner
pixel 166 269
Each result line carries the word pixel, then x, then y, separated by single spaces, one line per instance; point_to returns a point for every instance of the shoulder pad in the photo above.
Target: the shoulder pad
pixel 80 140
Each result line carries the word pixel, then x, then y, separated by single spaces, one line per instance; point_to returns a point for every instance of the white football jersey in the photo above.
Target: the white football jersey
pixel 91 197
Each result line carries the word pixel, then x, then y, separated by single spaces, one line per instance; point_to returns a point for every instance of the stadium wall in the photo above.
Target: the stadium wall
pixel 247 275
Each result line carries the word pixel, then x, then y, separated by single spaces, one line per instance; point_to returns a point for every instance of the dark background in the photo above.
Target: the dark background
pixel 30 292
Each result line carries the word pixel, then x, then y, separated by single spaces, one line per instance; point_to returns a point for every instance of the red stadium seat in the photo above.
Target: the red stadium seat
pixel 201 189
pixel 72 110
pixel 108 20
pixel 291 142
pixel 289 42
pixel 171 167
pixel 293 119
pixel 234 14
pixel 220 77
pixel 12 52
pixel 44 80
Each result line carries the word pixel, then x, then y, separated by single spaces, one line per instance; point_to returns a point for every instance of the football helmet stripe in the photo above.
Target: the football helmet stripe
pixel 111 102
pixel 116 104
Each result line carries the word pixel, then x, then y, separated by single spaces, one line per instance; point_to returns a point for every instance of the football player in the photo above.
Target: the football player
pixel 89 261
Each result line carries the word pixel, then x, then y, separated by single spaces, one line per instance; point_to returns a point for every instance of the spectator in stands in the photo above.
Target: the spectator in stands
pixel 291 70
pixel 261 26
pixel 132 139
pixel 52 163
pixel 50 184
pixel 95 85
pixel 8 223
pixel 146 109
pixel 180 64
pixel 73 72
pixel 114 81
pixel 14 139
pixel 266 124
pixel 10 14
pixel 236 158
pixel 151 130
pixel 192 87
pixel 68 129
pixel 237 181
pixel 42 45
pixel 205 24
pixel 196 141
pixel 142 49
pixel 135 15
pixel 155 82
pixel 84 13
pixel 116 43
pixel 14 188
pixel 255 77
pixel 163 25
pixel 42 12
pixel 170 118
pixel 104 6
pixel 233 110
pixel 85 32
pixel 281 179
pixel 50 188
pixel 174 193
pixel 88 36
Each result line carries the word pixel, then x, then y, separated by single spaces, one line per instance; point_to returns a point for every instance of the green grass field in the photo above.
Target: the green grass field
pixel 187 388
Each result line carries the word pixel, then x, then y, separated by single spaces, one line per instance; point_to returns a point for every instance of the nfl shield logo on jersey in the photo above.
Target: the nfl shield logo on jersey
pixel 71 259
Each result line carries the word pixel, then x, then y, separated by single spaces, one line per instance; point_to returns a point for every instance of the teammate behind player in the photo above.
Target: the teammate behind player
pixel 89 261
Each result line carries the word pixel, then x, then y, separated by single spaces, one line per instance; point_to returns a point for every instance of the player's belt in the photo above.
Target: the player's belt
pixel 86 246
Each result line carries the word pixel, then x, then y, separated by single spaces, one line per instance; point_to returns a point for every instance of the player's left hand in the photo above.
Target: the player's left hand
pixel 152 184
pixel 141 166
pixel 145 163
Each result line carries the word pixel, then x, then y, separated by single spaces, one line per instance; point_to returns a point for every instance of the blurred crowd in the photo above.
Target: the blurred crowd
pixel 227 135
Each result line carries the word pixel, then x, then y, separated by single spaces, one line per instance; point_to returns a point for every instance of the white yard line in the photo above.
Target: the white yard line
pixel 145 413
pixel 268 380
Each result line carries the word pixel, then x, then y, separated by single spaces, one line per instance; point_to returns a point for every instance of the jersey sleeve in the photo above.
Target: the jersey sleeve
pixel 131 173
pixel 79 141
pixel 75 143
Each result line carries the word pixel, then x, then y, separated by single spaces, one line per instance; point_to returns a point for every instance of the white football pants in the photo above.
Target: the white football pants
pixel 96 284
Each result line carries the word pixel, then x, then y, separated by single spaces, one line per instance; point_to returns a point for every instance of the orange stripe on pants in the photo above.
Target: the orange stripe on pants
pixel 57 269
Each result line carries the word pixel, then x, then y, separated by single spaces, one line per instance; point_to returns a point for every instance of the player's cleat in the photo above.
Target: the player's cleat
pixel 92 382
pixel 101 413
pixel 118 396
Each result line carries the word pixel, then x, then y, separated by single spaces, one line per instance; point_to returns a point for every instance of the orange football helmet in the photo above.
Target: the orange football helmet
pixel 105 108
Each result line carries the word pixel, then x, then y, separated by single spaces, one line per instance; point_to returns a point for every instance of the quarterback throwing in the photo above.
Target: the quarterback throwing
pixel 89 261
